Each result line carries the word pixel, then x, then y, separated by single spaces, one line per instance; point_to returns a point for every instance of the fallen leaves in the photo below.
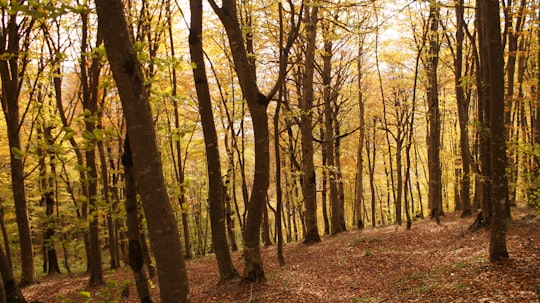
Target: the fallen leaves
pixel 429 263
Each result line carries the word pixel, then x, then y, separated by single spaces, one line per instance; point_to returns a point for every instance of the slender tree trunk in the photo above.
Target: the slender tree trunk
pixel 163 231
pixel 324 189
pixel 279 190
pixel 534 189
pixel 329 140
pixel 89 83
pixel 5 236
pixel 257 104
pixel 463 116
pixel 48 189
pixel 135 249
pixel 308 169
pixel 484 103
pixel 359 181
pixel 216 198
pixel 179 168
pixel 10 287
pixel 111 223
pixel 371 149
pixel 434 118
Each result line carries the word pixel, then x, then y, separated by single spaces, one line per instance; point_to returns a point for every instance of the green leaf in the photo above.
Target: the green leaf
pixel 85 294
pixel 17 153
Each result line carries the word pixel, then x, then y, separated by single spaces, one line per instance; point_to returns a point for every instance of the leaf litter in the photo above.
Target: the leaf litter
pixel 429 263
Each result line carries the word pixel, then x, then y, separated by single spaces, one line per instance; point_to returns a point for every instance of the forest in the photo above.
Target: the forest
pixel 151 135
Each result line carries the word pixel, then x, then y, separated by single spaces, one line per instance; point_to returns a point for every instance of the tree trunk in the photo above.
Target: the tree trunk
pixel 463 116
pixel 257 104
pixel 279 190
pixel 179 167
pixel 52 258
pixel 114 254
pixel 434 118
pixel 89 84
pixel 10 287
pixel 10 70
pixel 162 226
pixel 534 189
pixel 359 181
pixel 136 256
pixel 308 169
pixel 329 140
pixel 371 149
pixel 215 184
pixel 483 118
pixel 495 60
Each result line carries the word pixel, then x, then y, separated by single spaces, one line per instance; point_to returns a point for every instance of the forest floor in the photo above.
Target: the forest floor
pixel 429 263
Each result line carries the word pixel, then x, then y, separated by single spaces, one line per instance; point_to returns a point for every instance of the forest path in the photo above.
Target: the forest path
pixel 429 263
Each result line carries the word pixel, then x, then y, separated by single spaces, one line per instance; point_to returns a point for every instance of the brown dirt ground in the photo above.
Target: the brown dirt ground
pixel 429 263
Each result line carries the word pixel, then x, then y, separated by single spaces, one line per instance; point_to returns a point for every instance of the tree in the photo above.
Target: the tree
pixel 308 169
pixel 495 65
pixel 90 82
pixel 136 257
pixel 47 184
pixel 10 289
pixel 257 103
pixel 164 236
pixel 463 114
pixel 434 116
pixel 179 167
pixel 14 43
pixel 216 195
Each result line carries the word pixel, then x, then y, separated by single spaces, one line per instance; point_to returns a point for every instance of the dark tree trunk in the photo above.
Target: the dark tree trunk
pixel 179 167
pixel 534 189
pixel 162 226
pixel 484 103
pixel 215 184
pixel 10 287
pixel 279 190
pixel 257 104
pixel 371 149
pixel 463 116
pixel 135 248
pixel 308 169
pixel 359 181
pixel 329 124
pixel 114 254
pixel 89 82
pixel 434 145
pixel 47 186
pixel 495 60
pixel 10 72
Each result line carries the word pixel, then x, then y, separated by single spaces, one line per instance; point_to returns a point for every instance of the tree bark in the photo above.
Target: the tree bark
pixel 10 287
pixel 10 72
pixel 359 180
pixel 89 81
pixel 484 103
pixel 497 243
pixel 177 147
pixel 308 168
pixel 257 104
pixel 162 226
pixel 135 253
pixel 463 116
pixel 435 186
pixel 279 190
pixel 215 184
